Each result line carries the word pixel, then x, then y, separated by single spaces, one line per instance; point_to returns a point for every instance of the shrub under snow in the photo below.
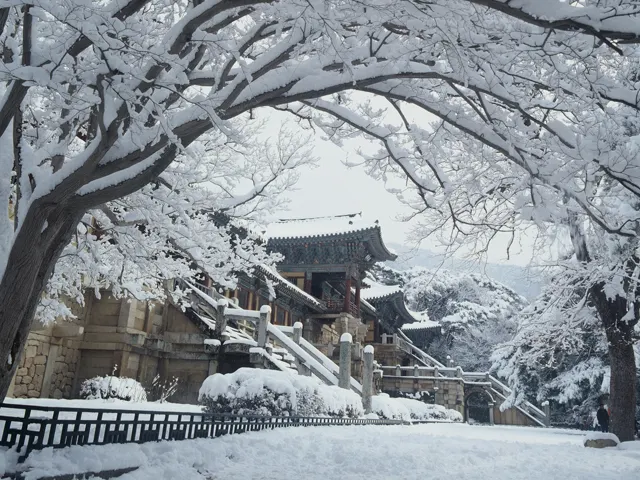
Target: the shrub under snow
pixel 108 387
pixel 408 409
pixel 249 391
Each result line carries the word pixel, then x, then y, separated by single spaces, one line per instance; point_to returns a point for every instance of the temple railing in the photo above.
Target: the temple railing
pixel 395 339
pixel 337 306
pixel 29 427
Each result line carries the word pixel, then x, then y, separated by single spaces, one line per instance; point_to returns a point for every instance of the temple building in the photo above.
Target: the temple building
pixel 322 280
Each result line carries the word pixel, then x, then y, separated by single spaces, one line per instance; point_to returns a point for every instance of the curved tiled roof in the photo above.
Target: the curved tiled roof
pixel 380 292
pixel 344 227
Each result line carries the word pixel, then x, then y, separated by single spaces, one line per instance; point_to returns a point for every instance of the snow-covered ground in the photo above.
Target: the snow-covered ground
pixel 435 451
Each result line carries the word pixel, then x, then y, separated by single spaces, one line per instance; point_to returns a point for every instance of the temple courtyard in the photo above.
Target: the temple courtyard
pixel 428 451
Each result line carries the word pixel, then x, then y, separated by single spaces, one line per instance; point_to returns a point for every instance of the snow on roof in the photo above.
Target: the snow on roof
pixel 420 325
pixel 421 316
pixel 379 291
pixel 318 227
pixel 284 283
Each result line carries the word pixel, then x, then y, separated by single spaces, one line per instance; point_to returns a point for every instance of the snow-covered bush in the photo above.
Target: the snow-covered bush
pixel 424 411
pixel 160 390
pixel 408 409
pixel 249 391
pixel 109 387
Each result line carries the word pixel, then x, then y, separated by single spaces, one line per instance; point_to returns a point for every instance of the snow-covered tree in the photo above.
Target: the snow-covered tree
pixel 557 357
pixel 475 312
pixel 559 353
pixel 200 216
pixel 99 97
pixel 536 132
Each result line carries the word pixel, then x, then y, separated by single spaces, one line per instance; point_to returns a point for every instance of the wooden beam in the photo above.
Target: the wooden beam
pixel 347 294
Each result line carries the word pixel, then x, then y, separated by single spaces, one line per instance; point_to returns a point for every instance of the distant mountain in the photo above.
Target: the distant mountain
pixel 520 279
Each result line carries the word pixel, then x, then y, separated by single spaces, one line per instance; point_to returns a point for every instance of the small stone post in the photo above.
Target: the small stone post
pixel 345 361
pixel 297 332
pixel 377 379
pixel 367 378
pixel 416 371
pixel 384 338
pixel 221 320
pixel 547 413
pixel 263 325
pixel 491 421
pixel 303 369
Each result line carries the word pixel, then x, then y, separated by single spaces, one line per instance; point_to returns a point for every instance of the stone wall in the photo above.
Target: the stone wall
pixel 47 368
pixel 448 392
pixel 30 373
pixel 392 355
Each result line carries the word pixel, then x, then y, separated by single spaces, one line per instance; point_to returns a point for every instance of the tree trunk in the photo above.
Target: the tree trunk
pixel 622 397
pixel 43 235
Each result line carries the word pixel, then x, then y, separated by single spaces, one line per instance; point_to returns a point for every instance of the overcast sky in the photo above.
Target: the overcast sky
pixel 335 189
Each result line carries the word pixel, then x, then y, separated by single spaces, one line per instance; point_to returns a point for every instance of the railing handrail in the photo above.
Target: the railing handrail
pixel 498 387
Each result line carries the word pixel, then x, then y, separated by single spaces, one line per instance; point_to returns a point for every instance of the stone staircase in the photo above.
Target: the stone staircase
pixel 271 346
pixel 497 388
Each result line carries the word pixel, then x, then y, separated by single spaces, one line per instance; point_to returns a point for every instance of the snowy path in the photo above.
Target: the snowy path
pixel 434 452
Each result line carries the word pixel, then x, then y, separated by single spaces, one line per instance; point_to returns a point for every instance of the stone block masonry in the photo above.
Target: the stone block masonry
pixel 47 368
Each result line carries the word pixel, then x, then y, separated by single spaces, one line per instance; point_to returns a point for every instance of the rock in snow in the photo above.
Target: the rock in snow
pixel 600 440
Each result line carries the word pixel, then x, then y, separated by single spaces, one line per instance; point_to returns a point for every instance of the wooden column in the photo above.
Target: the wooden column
pixel 347 294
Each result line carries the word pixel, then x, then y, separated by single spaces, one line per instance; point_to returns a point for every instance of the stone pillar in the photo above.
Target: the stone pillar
pixel 416 371
pixel 547 413
pixel 398 371
pixel 297 332
pixel 345 361
pixel 367 378
pixel 263 325
pixel 221 320
pixel 49 371
pixel 491 421
pixel 213 367
pixel 384 338
pixel 127 316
